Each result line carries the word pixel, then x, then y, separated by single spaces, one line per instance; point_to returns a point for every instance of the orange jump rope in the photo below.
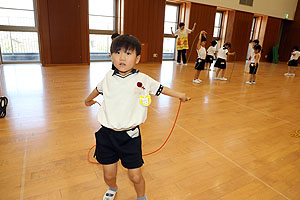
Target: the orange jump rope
pixel 93 162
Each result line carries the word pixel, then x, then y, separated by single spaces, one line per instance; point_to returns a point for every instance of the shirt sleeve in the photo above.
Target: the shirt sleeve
pixel 99 87
pixel 188 30
pixel 155 88
pixel 176 32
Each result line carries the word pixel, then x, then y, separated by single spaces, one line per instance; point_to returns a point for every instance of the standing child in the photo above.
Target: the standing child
pixel 201 56
pixel 182 43
pixel 221 61
pixel 254 64
pixel 126 100
pixel 211 52
pixel 293 62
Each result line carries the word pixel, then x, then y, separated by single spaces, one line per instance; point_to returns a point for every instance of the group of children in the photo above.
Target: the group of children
pixel 126 93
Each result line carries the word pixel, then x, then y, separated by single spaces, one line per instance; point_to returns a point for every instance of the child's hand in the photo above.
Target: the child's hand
pixel 184 98
pixel 89 103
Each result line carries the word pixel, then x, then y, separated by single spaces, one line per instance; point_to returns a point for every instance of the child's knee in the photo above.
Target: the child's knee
pixel 109 177
pixel 135 178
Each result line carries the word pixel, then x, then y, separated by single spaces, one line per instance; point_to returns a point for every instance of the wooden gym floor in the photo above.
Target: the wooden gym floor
pixel 232 141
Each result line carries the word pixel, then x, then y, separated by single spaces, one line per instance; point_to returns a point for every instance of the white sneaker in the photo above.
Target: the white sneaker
pixel 196 81
pixel 292 74
pixel 223 79
pixel 185 64
pixel 248 82
pixel 253 83
pixel 178 63
pixel 287 74
pixel 216 78
pixel 199 80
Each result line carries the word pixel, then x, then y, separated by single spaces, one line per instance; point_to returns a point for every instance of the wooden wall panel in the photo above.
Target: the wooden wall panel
pixel 290 36
pixel 145 20
pixel 63 31
pixel 204 16
pixel 238 33
pixel 270 38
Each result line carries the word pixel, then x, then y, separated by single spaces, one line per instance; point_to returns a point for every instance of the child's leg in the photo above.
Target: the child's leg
pixel 293 70
pixel 289 69
pixel 197 73
pixel 253 77
pixel 135 175
pixel 110 175
pixel 184 56
pixel 217 72
pixel 223 73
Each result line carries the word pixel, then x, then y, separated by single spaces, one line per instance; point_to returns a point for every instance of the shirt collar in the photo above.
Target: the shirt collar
pixel 133 71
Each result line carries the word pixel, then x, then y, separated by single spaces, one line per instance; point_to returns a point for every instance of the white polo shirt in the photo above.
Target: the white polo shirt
pixel 201 53
pixel 121 108
pixel 211 51
pixel 222 53
pixel 295 55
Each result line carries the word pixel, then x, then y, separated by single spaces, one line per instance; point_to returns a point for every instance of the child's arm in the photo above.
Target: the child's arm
pixel 172 32
pixel 90 99
pixel 173 93
pixel 231 54
pixel 257 57
pixel 193 27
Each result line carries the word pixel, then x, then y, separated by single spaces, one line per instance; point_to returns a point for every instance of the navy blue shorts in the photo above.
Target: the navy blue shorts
pixel 200 64
pixel 113 145
pixel 220 63
pixel 293 63
pixel 253 68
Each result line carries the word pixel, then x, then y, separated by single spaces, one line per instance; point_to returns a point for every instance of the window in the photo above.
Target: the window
pixel 18 31
pixel 171 20
pixel 102 25
pixel 218 25
pixel 252 28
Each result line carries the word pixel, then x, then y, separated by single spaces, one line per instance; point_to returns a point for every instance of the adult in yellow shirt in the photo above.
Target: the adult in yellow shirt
pixel 182 41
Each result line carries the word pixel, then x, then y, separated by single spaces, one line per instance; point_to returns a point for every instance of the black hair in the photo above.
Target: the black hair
pixel 256 41
pixel 295 47
pixel 257 47
pixel 181 24
pixel 227 44
pixel 213 43
pixel 114 35
pixel 203 38
pixel 126 42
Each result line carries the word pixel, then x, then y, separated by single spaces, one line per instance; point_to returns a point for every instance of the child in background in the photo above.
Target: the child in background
pixel 200 63
pixel 124 108
pixel 221 61
pixel 211 52
pixel 254 64
pixel 293 62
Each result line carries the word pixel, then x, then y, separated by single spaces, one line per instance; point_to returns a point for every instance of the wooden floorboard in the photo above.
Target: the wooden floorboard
pixel 232 140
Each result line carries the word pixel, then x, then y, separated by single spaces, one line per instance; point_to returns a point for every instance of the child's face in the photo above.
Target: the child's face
pixel 203 43
pixel 181 27
pixel 125 60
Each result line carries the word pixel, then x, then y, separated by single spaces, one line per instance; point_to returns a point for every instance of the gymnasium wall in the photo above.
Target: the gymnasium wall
pixel 278 8
pixel 270 38
pixel 145 20
pixel 290 36
pixel 238 33
pixel 63 31
pixel 204 16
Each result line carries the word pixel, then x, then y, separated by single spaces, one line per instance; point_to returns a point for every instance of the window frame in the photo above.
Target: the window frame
pixel 167 35
pixel 221 25
pixel 105 32
pixel 23 29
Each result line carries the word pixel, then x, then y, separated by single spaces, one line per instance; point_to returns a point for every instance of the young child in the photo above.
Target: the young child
pixel 211 52
pixel 126 100
pixel 254 64
pixel 293 62
pixel 182 43
pixel 221 61
pixel 113 36
pixel 201 56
